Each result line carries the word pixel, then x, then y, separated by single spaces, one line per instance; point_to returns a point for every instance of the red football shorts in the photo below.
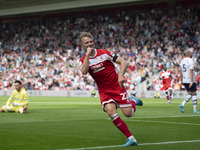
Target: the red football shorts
pixel 115 95
pixel 167 86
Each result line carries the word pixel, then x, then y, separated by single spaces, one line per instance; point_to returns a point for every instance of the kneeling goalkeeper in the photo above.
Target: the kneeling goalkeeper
pixel 18 101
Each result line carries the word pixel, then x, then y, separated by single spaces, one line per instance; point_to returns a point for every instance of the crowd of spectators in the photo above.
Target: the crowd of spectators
pixel 44 52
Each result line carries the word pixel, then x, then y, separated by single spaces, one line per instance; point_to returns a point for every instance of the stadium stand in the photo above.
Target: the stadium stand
pixel 43 51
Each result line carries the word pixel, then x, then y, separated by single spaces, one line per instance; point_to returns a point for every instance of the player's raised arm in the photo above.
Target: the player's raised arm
pixel 85 66
pixel 88 45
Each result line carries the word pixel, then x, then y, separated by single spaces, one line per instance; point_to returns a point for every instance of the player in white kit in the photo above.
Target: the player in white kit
pixel 188 79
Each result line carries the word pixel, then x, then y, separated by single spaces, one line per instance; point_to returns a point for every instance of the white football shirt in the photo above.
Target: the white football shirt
pixel 186 65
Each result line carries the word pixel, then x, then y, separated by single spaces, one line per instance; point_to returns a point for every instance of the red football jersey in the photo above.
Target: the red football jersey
pixel 102 69
pixel 165 75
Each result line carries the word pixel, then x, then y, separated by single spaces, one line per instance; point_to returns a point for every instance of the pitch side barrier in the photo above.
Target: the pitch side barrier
pixel 150 94
pixel 78 93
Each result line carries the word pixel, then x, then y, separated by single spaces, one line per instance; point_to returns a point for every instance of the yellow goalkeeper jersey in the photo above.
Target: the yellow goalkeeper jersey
pixel 18 97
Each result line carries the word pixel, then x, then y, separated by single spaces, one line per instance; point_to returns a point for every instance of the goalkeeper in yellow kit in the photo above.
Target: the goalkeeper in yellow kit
pixel 18 101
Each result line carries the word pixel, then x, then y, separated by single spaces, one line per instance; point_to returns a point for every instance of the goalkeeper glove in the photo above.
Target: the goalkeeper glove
pixel 8 108
pixel 16 104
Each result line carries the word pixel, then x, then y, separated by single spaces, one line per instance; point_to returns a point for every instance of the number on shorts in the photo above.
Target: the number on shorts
pixel 124 96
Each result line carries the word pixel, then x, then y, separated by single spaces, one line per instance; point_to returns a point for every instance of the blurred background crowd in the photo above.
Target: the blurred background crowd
pixel 44 52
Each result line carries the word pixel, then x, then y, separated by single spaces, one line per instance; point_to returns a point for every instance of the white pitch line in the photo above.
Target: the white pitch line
pixel 53 101
pixel 99 147
pixel 162 117
pixel 142 144
pixel 161 103
pixel 168 116
pixel 170 142
pixel 166 122
pixel 97 102
pixel 64 103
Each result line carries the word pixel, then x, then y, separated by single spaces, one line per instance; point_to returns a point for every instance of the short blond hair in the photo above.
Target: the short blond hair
pixel 85 34
pixel 187 52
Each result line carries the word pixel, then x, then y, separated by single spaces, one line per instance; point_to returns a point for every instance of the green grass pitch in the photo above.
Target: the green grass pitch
pixel 54 123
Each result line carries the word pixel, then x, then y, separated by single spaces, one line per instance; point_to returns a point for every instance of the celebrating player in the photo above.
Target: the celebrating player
pixel 18 101
pixel 99 64
pixel 165 76
pixel 188 79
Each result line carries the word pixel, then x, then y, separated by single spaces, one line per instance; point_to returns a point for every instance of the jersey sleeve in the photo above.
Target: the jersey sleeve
pixel 26 96
pixel 111 55
pixel 81 61
pixel 191 67
pixel 11 98
pixel 25 99
pixel 161 75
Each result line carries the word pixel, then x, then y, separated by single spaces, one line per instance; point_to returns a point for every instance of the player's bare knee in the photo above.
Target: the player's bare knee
pixel 128 114
pixel 111 112
pixel 110 109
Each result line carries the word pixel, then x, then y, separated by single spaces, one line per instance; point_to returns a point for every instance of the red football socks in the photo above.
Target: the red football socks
pixel 133 105
pixel 121 125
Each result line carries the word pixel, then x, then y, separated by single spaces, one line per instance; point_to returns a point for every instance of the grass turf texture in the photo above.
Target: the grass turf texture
pixel 53 123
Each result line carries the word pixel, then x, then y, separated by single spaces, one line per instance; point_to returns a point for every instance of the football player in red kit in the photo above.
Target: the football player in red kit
pixel 99 64
pixel 165 76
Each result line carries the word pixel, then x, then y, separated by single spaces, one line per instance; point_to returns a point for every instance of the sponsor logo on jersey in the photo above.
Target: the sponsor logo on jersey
pixel 97 68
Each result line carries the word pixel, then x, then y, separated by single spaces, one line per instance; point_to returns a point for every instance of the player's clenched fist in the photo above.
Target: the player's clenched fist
pixel 89 51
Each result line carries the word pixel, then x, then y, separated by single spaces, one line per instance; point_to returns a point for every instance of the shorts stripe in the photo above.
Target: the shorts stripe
pixel 107 102
pixel 125 105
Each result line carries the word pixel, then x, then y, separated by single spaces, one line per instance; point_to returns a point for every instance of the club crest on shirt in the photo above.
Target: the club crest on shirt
pixel 101 58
